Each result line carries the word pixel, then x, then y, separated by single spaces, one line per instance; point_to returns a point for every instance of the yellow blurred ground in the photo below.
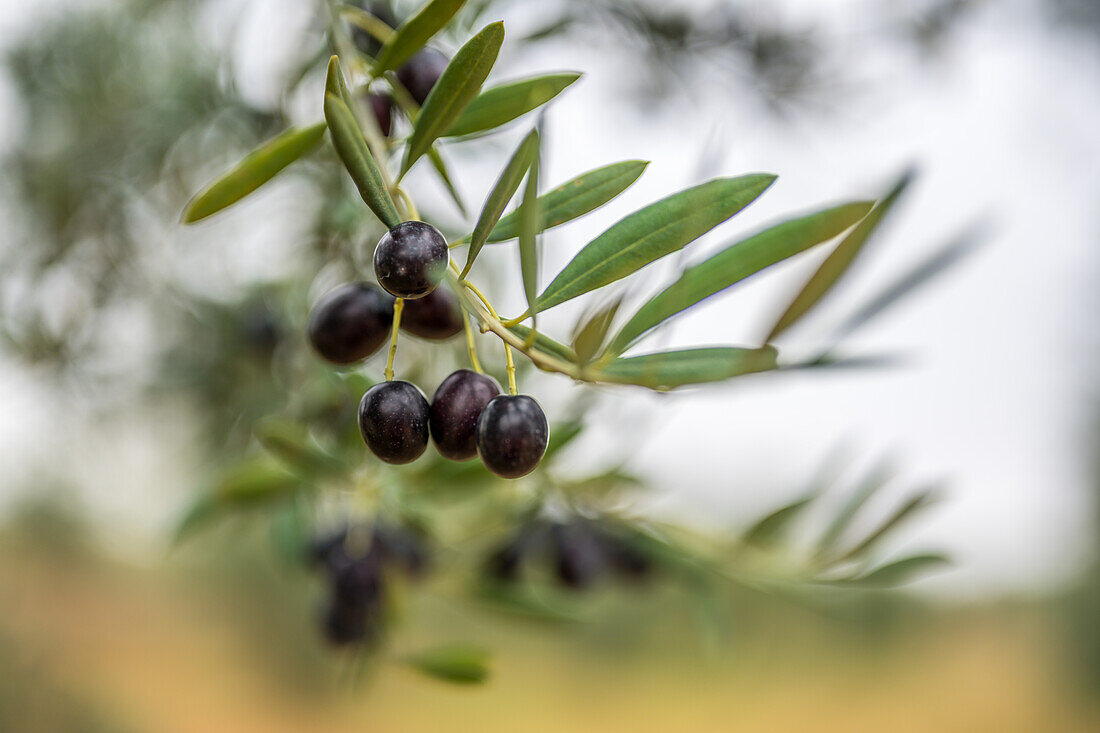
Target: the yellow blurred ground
pixel 126 650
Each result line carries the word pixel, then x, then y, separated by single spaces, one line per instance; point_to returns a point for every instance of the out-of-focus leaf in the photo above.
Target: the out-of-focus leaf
pixel 915 504
pixel 919 275
pixel 440 166
pixel 770 529
pixel 458 663
pixel 411 35
pixel 573 199
pixel 670 369
pixel 545 344
pixel 651 233
pixel 528 234
pixel 254 170
pixel 357 158
pixel 255 481
pixel 523 602
pixel 837 362
pixel 591 333
pixel 368 23
pixel 503 103
pixel 875 480
pixel 836 264
pixel 290 533
pixel 735 263
pixel 457 86
pixel 561 435
pixel 502 193
pixel 291 444
pixel 900 571
pixel 601 485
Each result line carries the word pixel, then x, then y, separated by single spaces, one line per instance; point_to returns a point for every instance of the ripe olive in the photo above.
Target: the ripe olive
pixel 350 322
pixel 436 316
pixel 393 419
pixel 455 409
pixel 511 435
pixel 410 259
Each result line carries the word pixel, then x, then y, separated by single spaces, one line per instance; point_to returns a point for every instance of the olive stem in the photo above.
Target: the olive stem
pixel 409 205
pixel 470 346
pixel 512 389
pixel 398 306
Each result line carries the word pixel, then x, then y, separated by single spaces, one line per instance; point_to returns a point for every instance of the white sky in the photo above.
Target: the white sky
pixel 1001 390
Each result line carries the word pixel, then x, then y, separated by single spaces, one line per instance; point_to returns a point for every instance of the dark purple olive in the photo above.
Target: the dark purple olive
pixel 421 72
pixel 411 259
pixel 455 409
pixel 382 107
pixel 393 419
pixel 350 323
pixel 579 556
pixel 436 316
pixel 358 580
pixel 512 435
pixel 364 41
pixel 344 623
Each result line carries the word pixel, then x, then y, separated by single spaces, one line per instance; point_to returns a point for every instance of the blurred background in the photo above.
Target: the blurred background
pixel 136 355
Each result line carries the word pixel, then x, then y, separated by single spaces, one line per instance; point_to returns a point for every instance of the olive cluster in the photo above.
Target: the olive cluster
pixel 468 416
pixel 355 562
pixel 580 553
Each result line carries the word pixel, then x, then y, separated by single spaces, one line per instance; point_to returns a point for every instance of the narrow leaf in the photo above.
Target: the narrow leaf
pixel 592 332
pixel 900 571
pixel 561 435
pixel 573 199
pixel 335 82
pixel 502 193
pixel 356 156
pixel 735 263
pixel 670 369
pixel 504 103
pixel 254 170
pixel 411 35
pixel 458 663
pixel 545 344
pixel 922 273
pixel 528 234
pixel 915 504
pixel 875 480
pixel 440 166
pixel 770 529
pixel 837 263
pixel 292 444
pixel 651 233
pixel 459 84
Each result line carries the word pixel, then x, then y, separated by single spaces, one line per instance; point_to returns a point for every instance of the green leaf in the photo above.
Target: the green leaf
pixel 291 444
pixel 735 263
pixel 356 156
pixel 545 344
pixel 445 175
pixel 590 335
pixel 900 571
pixel 770 529
pixel 502 193
pixel 915 504
pixel 458 663
pixel 456 88
pixel 335 82
pixel 651 233
pixel 912 279
pixel 255 481
pixel 528 234
pixel 837 263
pixel 411 35
pixel 561 435
pixel 254 170
pixel 573 199
pixel 875 480
pixel 503 103
pixel 670 369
